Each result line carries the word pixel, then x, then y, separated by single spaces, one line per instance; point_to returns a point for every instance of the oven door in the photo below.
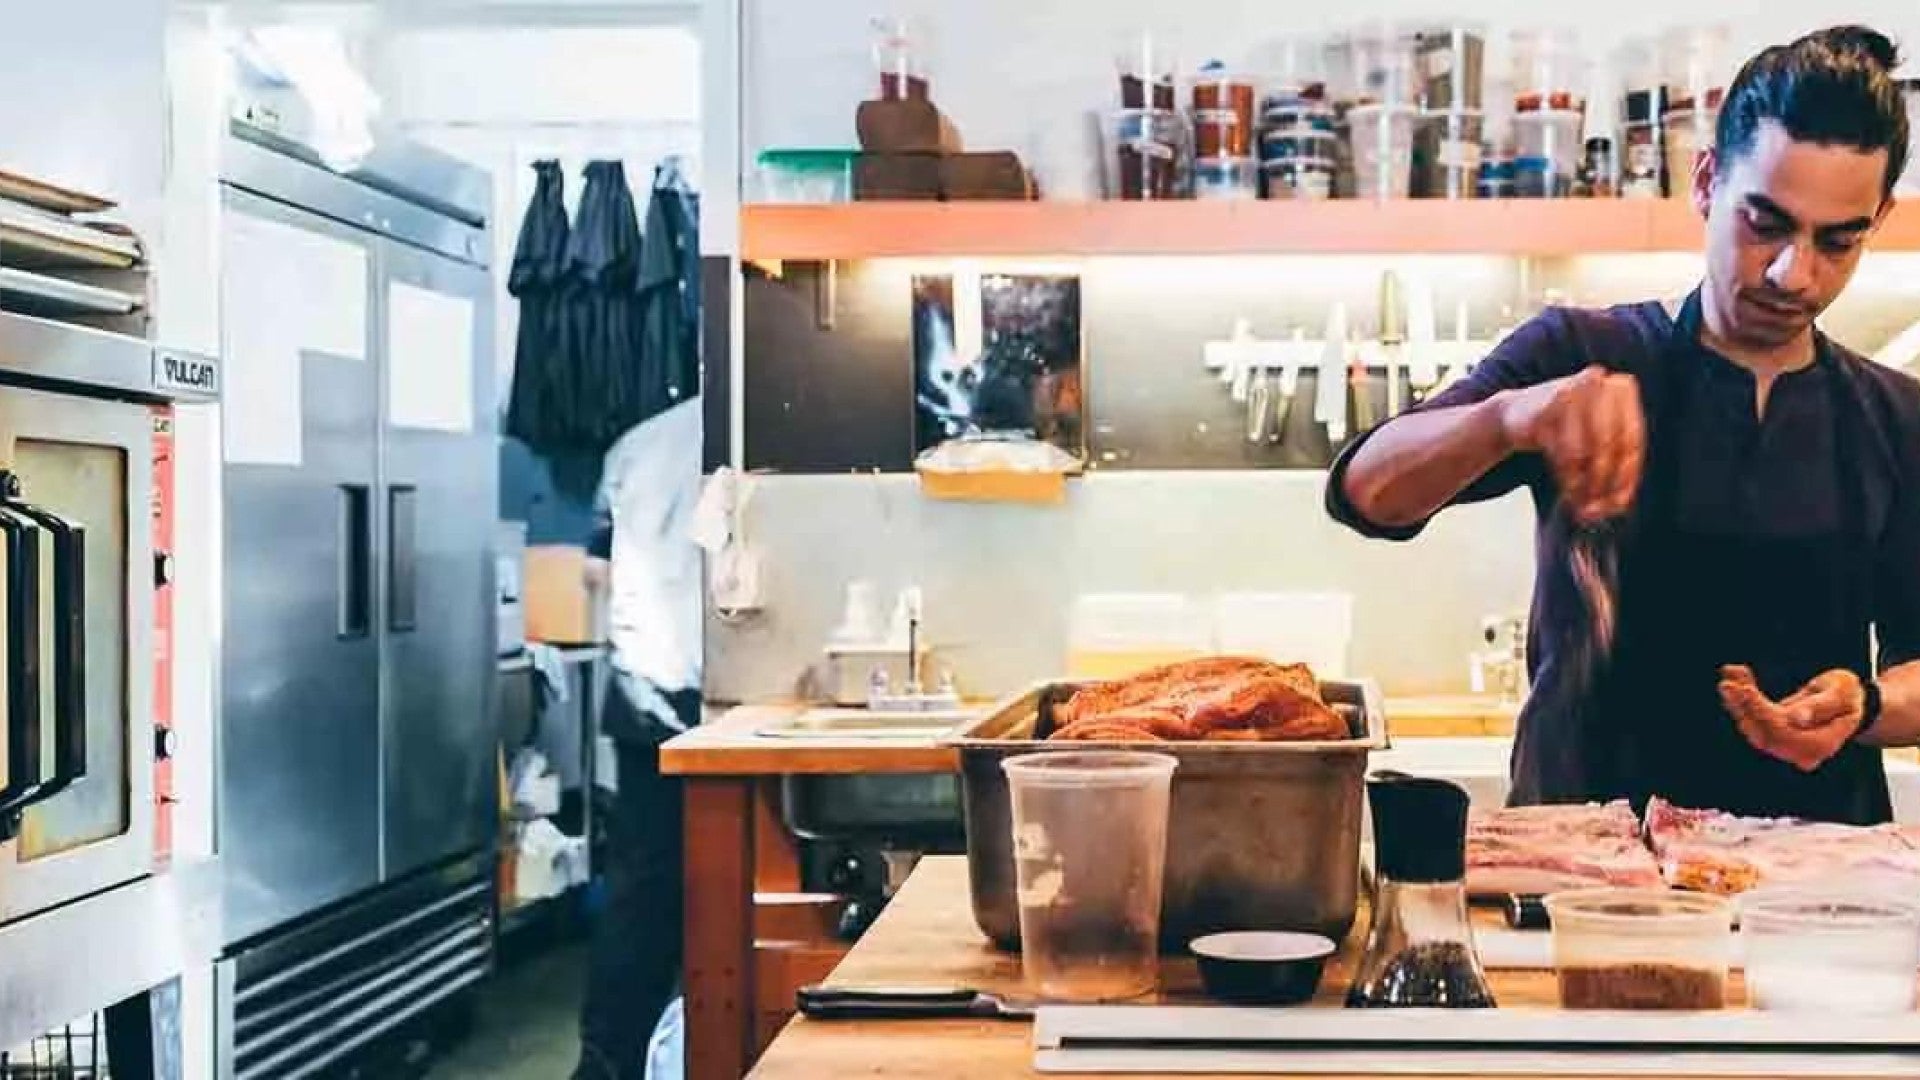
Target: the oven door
pixel 84 466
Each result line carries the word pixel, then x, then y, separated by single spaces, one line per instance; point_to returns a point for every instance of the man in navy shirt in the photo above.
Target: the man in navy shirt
pixel 1761 481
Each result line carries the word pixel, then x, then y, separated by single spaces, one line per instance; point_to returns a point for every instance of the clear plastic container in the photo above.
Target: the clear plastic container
pixel 1225 111
pixel 1373 67
pixel 1447 154
pixel 897 61
pixel 1450 68
pixel 1547 147
pixel 1145 154
pixel 1641 948
pixel 1113 635
pixel 1687 134
pixel 1381 141
pixel 1146 66
pixel 1295 67
pixel 1282 113
pixel 1549 71
pixel 1280 143
pixel 1226 178
pixel 1696 66
pixel 805 176
pixel 1089 852
pixel 1814 951
pixel 1299 178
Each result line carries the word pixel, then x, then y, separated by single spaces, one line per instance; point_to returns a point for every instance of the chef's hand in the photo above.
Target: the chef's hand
pixel 1590 429
pixel 1804 729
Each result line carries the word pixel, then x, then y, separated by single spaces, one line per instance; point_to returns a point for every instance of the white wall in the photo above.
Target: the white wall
pixel 999 580
pixel 503 97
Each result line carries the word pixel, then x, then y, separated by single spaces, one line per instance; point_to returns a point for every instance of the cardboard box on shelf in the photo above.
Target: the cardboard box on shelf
pixel 560 606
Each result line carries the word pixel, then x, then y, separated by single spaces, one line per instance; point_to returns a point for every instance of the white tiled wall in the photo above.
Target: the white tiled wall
pixel 999 579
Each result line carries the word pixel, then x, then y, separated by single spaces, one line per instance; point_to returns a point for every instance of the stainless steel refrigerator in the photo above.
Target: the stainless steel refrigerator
pixel 357 798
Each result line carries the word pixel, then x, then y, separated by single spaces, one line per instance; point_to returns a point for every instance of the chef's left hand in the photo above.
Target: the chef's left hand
pixel 1804 729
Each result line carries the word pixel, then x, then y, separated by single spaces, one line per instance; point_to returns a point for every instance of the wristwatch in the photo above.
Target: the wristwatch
pixel 1869 708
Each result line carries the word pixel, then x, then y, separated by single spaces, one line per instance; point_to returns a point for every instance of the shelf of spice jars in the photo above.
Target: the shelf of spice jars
pixel 1520 227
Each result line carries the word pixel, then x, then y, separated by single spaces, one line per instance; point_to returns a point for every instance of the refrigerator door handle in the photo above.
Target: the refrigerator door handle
pixel 355 585
pixel 402 569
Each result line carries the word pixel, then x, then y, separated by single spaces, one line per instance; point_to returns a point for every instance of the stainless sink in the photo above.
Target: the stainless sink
pixel 843 723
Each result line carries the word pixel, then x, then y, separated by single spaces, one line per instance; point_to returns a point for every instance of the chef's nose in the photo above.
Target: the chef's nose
pixel 1791 270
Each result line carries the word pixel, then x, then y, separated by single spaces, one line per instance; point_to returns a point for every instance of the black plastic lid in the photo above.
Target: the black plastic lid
pixel 1419 827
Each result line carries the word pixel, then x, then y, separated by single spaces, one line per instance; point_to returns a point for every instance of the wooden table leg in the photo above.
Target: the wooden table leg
pixel 718 965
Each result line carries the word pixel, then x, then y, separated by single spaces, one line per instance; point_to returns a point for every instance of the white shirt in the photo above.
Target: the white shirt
pixel 651 485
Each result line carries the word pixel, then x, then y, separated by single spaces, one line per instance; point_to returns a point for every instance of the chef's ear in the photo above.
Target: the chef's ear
pixel 1706 166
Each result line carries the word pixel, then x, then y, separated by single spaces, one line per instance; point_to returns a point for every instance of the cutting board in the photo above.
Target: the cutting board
pixel 1454 1042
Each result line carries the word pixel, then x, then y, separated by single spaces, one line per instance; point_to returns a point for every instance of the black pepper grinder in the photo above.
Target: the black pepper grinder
pixel 1420 947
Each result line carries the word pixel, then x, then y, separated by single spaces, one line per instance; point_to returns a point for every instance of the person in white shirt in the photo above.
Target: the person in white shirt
pixel 649 489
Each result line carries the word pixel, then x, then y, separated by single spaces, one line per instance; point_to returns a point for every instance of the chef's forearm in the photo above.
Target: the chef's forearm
pixel 1899 723
pixel 1410 468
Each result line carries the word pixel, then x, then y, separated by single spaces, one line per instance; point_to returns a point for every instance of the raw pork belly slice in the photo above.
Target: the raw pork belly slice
pixel 1224 697
pixel 1714 851
pixel 1541 849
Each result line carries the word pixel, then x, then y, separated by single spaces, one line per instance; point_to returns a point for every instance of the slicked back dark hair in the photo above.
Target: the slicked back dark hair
pixel 1833 86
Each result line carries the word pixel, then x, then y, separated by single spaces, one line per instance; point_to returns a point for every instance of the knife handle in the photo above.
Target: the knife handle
pixel 1527 912
pixel 889 1003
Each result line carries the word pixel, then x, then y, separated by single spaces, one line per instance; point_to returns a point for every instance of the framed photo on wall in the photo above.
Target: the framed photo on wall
pixel 998 353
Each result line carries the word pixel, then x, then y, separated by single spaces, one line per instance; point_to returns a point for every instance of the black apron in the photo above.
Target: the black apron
pixel 1691 601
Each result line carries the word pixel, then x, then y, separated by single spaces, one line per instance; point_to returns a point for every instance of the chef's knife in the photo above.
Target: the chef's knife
pixel 906 1003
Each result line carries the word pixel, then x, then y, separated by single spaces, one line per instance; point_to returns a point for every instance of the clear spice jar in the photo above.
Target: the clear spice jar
pixel 897 61
pixel 1420 950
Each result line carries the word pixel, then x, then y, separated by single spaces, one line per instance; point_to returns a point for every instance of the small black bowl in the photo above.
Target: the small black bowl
pixel 1261 967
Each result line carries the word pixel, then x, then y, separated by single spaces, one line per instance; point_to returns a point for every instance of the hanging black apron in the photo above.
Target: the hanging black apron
pixel 1691 601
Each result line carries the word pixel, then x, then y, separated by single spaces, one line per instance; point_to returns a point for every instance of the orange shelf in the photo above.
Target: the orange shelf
pixel 1499 227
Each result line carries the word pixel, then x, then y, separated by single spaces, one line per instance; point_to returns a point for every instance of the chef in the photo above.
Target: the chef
pixel 1761 483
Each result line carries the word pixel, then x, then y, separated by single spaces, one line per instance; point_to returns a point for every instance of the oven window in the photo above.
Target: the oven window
pixel 87 483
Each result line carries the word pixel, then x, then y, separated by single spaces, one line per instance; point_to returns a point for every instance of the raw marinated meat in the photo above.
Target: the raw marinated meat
pixel 1219 698
pixel 1714 851
pixel 1540 849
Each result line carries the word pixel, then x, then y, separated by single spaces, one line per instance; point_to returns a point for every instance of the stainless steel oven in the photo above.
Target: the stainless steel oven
pixel 88 911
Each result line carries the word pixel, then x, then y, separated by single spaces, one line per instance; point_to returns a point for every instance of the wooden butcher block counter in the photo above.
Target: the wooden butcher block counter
pixel 927 938
pixel 750 931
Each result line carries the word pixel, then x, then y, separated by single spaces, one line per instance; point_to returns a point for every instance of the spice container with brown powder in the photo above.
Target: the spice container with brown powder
pixel 1641 948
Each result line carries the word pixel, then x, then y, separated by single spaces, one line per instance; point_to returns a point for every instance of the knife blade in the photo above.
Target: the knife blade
pixel 906 1003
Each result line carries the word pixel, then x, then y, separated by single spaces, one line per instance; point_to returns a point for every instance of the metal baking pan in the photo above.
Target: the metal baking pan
pixel 50 240
pixel 39 193
pixel 1260 836
pixel 58 296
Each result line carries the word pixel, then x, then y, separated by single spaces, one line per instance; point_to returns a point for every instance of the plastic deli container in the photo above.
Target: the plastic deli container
pixel 1373 66
pixel 1225 107
pixel 805 176
pixel 1226 178
pixel 1381 140
pixel 1299 178
pixel 1814 951
pixel 1450 66
pixel 1089 855
pixel 1689 133
pixel 1278 144
pixel 1548 71
pixel 1447 148
pixel 1145 154
pixel 1113 635
pixel 1547 148
pixel 1641 948
pixel 1280 112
